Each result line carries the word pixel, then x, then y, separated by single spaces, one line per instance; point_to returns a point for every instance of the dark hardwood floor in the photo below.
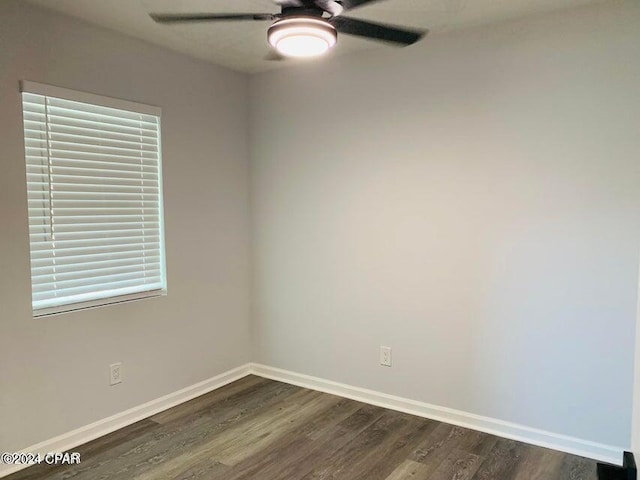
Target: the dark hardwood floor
pixel 265 430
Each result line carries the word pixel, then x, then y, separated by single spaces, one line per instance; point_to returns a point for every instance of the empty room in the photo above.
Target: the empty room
pixel 319 239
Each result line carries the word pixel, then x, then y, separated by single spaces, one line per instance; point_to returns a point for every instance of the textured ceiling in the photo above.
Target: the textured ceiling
pixel 242 45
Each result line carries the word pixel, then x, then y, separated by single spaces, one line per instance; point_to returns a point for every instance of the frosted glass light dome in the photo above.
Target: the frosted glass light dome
pixel 302 37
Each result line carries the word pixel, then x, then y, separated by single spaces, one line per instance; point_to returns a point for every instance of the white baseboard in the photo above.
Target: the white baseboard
pixel 73 439
pixel 534 436
pixel 563 443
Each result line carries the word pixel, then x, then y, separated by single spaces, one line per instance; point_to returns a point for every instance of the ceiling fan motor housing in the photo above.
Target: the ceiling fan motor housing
pixel 298 35
pixel 302 12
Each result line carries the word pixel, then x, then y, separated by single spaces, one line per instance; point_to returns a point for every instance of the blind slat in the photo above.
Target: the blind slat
pixel 72 280
pixel 40 126
pixel 43 235
pixel 104 178
pixel 60 153
pixel 34 118
pixel 139 216
pixel 82 274
pixel 153 282
pixel 56 109
pixel 139 171
pixel 97 165
pixel 79 257
pixel 88 266
pixel 64 204
pixel 53 106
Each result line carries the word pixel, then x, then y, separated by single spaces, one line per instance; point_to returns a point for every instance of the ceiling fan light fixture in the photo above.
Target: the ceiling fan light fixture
pixel 302 36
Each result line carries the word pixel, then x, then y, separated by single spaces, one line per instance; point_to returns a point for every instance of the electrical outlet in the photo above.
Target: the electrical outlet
pixel 115 371
pixel 385 356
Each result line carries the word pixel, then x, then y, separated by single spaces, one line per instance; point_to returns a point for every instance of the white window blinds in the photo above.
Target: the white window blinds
pixel 95 199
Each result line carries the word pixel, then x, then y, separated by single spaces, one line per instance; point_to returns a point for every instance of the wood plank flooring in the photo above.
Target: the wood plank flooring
pixel 264 430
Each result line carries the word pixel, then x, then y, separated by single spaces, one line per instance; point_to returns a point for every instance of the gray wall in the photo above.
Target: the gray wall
pixel 54 374
pixel 472 202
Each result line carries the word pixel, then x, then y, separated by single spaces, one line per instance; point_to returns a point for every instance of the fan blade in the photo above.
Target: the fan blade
pixel 209 17
pixel 376 31
pixel 349 4
pixel 289 3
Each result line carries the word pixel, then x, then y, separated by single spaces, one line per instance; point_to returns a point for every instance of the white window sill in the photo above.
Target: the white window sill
pixel 102 302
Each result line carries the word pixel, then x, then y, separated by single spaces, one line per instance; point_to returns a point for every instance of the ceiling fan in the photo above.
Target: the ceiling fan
pixel 308 28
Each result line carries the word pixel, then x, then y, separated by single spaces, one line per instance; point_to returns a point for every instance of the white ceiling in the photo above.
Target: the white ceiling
pixel 242 45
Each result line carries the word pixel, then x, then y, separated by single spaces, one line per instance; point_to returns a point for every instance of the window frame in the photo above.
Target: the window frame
pixel 109 102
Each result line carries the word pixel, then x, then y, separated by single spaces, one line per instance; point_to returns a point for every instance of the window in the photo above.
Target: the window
pixel 94 182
